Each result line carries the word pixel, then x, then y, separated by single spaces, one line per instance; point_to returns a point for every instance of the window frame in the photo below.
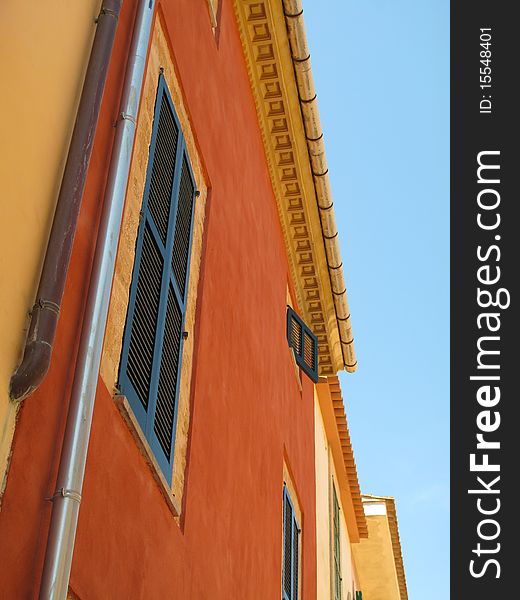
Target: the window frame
pixel 146 417
pixel 294 594
pixel 311 372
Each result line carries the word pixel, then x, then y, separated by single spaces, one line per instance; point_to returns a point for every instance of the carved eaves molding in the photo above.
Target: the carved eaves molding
pixel 266 47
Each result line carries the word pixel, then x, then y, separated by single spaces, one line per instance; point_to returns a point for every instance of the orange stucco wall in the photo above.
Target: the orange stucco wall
pixel 248 414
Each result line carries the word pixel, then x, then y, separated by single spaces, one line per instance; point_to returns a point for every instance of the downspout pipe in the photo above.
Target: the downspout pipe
pixel 69 484
pixel 46 310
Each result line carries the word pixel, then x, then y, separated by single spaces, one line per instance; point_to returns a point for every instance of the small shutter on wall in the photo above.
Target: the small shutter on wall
pixel 291 551
pixel 150 365
pixel 359 596
pixel 304 344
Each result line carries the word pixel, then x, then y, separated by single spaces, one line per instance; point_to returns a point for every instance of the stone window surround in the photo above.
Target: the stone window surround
pixel 159 61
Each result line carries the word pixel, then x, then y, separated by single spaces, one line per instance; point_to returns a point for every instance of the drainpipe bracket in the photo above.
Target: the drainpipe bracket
pixel 65 493
pixel 127 117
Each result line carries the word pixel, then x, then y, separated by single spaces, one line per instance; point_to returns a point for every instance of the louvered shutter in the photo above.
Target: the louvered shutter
pixel 291 556
pixel 152 346
pixel 304 344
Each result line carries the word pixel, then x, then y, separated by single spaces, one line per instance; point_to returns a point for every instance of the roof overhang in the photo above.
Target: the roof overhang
pixel 278 63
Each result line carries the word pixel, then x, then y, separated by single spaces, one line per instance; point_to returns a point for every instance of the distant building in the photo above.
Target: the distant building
pixel 378 558
pixel 192 343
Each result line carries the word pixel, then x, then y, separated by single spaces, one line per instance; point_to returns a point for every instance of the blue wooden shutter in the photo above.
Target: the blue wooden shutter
pixel 150 366
pixel 304 343
pixel 291 534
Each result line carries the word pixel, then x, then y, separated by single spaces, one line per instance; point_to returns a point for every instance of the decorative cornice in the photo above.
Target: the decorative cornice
pixel 301 58
pixel 271 72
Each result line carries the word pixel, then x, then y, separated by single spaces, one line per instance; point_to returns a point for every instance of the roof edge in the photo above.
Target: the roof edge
pixel 293 12
pixel 270 34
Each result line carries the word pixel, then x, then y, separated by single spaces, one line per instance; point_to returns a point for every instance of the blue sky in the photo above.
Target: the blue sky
pixel 381 70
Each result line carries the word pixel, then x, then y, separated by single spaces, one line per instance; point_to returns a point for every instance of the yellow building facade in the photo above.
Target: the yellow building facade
pixel 378 558
pixel 340 521
pixel 358 547
pixel 43 67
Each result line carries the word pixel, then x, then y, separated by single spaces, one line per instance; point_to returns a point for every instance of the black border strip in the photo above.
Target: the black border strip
pixel 484 122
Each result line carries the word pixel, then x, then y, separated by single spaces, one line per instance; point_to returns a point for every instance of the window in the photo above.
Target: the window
pixel 359 596
pixel 150 364
pixel 304 344
pixel 336 542
pixel 291 563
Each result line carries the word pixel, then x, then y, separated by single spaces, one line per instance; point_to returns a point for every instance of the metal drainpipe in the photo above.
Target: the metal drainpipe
pixel 46 309
pixel 67 497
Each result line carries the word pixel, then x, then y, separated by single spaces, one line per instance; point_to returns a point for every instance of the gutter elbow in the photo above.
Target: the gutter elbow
pixel 37 352
pixel 32 370
pixel 45 313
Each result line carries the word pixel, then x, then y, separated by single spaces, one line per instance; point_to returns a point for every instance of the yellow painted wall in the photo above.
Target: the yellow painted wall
pixel 325 476
pixel 348 574
pixel 375 562
pixel 323 568
pixel 44 50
